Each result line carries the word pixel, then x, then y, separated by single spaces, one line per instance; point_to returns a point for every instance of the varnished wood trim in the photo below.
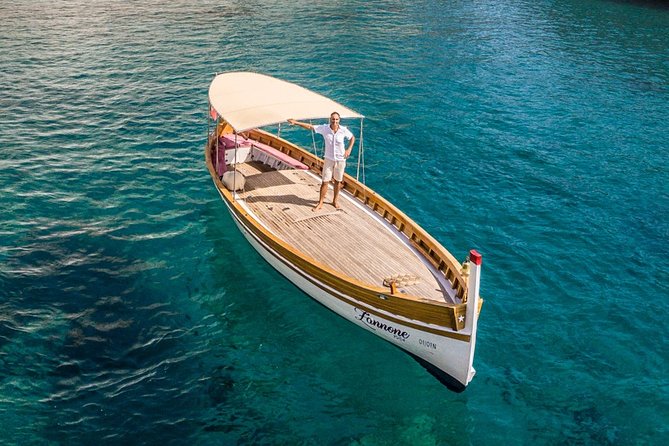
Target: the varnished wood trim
pixel 431 249
pixel 411 307
pixel 348 300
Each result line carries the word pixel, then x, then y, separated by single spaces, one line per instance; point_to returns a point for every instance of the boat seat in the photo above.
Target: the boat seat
pixel 228 141
pixel 279 155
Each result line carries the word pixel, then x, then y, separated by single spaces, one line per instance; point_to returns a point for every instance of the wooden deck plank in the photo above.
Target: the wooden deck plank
pixel 348 240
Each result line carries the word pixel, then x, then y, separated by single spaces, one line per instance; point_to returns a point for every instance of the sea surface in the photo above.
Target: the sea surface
pixel 132 311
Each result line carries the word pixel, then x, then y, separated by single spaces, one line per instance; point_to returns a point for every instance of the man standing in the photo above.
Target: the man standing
pixel 335 155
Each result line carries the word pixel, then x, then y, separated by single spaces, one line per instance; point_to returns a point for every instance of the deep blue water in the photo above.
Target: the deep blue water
pixel 133 312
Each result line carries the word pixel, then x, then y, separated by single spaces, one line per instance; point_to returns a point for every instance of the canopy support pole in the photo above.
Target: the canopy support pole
pixel 313 139
pixel 234 175
pixel 215 134
pixel 361 156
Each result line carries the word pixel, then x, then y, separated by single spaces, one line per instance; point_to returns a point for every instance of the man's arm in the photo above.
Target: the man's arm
pixel 350 147
pixel 304 125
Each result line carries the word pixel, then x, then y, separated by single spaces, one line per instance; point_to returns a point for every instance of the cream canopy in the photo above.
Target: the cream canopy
pixel 248 100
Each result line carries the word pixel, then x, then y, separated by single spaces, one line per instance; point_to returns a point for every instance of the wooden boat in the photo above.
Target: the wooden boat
pixel 368 261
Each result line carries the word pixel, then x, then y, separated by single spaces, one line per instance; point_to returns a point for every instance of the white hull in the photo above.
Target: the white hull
pixel 440 350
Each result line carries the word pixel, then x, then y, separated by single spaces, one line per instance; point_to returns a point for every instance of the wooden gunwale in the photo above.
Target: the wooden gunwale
pixel 408 306
pixel 431 249
pixel 375 310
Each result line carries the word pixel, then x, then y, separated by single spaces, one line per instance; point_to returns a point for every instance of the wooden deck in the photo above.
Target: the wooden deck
pixel 349 240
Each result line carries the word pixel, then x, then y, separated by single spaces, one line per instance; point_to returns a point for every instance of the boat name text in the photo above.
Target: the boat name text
pixel 374 324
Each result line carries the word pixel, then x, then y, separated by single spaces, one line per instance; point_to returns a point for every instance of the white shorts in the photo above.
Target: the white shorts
pixel 333 168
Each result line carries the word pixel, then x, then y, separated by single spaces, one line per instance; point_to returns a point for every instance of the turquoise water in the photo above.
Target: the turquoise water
pixel 133 312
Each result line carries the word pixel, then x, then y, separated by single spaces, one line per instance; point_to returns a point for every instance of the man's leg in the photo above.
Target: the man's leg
pixel 328 167
pixel 338 176
pixel 324 190
pixel 337 186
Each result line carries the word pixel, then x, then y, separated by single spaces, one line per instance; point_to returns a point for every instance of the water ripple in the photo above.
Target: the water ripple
pixel 133 311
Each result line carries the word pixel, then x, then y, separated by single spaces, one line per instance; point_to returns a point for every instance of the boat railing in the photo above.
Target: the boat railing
pixel 433 251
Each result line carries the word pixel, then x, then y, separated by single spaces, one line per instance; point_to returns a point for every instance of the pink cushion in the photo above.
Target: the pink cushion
pixel 280 155
pixel 228 141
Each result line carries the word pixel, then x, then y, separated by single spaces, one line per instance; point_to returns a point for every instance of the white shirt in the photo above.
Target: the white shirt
pixel 334 141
